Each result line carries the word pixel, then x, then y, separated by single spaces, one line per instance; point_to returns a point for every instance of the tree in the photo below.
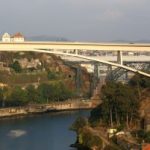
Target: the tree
pixel 16 66
pixel 32 94
pixel 18 97
pixel 51 75
pixel 79 123
pixel 6 93
pixel 120 105
pixel 141 81
pixel 45 92
pixel 1 97
pixel 64 92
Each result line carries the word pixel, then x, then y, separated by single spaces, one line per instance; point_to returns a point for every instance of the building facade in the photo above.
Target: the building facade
pixel 18 37
pixel 6 37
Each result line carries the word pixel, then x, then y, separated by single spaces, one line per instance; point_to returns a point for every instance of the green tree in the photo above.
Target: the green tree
pixel 6 93
pixel 61 91
pixel 16 66
pixel 45 92
pixel 120 105
pixel 32 94
pixel 18 97
pixel 140 81
pixel 1 97
pixel 79 123
pixel 51 75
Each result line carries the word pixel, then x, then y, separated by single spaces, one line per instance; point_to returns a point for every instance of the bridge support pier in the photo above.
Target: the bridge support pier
pixel 94 78
pixel 78 80
pixel 119 57
pixel 109 71
pixel 126 76
pixel 76 51
pixel 96 74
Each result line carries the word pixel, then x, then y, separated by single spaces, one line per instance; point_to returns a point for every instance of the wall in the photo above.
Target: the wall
pixel 57 106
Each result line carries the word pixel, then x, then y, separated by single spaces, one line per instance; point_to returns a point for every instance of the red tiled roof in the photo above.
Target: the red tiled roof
pixel 18 35
pixel 147 147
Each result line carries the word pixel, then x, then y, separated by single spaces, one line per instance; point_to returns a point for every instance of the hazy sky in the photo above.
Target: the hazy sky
pixel 78 20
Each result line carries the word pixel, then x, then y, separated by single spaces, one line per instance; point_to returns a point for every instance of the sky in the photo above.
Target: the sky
pixel 78 20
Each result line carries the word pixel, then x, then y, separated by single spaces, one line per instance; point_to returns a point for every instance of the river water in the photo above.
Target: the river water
pixel 40 132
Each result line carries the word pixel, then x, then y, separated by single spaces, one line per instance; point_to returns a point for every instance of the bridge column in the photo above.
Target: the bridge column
pixel 109 72
pixel 94 78
pixel 119 57
pixel 76 51
pixel 78 80
pixel 96 74
pixel 67 51
pixel 126 76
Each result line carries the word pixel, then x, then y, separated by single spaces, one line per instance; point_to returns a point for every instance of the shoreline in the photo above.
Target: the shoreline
pixel 13 112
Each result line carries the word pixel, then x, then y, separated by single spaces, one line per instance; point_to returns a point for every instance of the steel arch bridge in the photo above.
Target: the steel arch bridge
pixel 86 58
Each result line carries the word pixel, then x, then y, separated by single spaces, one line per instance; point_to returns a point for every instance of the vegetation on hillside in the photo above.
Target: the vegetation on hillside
pixel 29 68
pixel 141 135
pixel 140 82
pixel 29 78
pixel 119 109
pixel 121 103
pixel 85 137
pixel 45 93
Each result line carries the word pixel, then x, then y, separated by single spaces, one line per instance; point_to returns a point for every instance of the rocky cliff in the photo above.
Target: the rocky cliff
pixel 35 68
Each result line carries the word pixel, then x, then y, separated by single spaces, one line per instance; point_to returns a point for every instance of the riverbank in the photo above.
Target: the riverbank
pixel 45 108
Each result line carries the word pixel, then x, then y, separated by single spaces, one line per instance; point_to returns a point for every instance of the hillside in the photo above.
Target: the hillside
pixel 40 68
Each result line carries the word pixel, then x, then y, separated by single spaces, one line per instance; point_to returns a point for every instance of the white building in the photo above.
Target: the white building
pixel 6 37
pixel 18 37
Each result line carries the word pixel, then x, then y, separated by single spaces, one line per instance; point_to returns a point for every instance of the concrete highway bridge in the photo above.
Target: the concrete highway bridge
pixel 126 59
pixel 58 48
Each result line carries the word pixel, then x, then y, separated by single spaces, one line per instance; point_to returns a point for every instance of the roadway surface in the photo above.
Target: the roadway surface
pixel 138 59
pixel 74 46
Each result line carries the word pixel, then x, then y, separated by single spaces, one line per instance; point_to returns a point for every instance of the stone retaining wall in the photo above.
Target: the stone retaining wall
pixel 57 106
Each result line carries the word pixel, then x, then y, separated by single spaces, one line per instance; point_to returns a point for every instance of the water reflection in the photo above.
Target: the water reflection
pixel 16 133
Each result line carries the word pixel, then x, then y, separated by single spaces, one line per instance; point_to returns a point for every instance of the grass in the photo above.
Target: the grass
pixel 25 79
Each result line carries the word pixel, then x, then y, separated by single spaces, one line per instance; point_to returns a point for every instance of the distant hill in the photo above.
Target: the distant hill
pixel 46 38
pixel 56 38
pixel 143 41
pixel 126 41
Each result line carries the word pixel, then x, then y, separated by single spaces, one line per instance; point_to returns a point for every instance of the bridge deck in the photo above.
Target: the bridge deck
pixel 24 46
pixel 138 59
pixel 45 47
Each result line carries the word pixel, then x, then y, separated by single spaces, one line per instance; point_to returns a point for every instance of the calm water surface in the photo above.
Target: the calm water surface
pixel 43 132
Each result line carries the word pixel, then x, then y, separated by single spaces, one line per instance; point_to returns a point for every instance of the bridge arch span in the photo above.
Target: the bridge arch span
pixel 86 58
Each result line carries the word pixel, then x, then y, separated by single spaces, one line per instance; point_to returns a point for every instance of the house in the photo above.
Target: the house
pixel 18 37
pixel 6 37
pixel 26 64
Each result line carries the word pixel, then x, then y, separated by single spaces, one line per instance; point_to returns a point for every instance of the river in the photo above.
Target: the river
pixel 39 132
